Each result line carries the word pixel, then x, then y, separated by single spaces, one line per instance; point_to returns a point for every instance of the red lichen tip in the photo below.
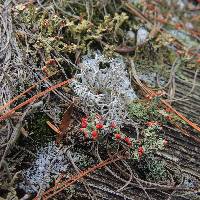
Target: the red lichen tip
pixel 141 149
pixel 127 140
pixel 165 142
pixel 118 136
pixel 99 126
pixel 94 135
pixel 113 124
pixel 84 124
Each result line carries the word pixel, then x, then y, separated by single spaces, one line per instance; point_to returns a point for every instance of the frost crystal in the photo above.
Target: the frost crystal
pixel 103 86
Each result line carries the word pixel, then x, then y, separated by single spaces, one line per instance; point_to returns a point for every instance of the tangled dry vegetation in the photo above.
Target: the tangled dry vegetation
pixel 99 99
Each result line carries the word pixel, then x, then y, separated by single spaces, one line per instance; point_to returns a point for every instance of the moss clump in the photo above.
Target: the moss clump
pixel 145 110
pixel 41 134
pixel 138 110
pixel 72 34
pixel 153 169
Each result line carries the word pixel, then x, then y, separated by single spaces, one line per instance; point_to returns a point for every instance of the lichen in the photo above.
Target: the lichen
pixel 104 86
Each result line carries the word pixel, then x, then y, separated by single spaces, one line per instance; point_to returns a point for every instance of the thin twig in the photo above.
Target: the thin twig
pixel 64 184
pixel 32 99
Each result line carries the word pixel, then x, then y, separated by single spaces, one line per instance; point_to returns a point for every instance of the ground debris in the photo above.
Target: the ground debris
pixel 117 81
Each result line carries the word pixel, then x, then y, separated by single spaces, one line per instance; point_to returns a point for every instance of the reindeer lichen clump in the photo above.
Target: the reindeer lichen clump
pixel 103 86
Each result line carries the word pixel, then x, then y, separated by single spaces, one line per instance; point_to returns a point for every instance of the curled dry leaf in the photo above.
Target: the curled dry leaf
pixel 66 119
pixel 65 122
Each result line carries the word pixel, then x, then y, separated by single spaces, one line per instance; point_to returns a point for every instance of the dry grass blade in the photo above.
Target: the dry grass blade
pixel 32 99
pixel 150 92
pixel 193 125
pixel 186 133
pixel 136 12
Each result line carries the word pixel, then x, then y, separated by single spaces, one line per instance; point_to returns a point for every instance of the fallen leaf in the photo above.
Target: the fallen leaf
pixel 65 122
pixel 66 119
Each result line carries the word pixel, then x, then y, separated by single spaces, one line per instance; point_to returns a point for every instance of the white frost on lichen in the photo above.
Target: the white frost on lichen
pixel 103 86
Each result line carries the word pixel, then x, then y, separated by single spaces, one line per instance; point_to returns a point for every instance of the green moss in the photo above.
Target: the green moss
pixel 41 134
pixel 138 110
pixel 153 169
pixel 57 32
pixel 145 111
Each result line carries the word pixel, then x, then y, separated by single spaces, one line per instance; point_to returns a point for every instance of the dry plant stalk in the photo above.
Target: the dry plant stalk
pixel 59 186
pixel 53 127
pixel 184 132
pixel 152 93
pixel 32 99
pixel 193 125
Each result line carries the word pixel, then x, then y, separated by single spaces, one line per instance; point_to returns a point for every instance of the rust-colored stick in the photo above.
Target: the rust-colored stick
pixel 193 125
pixel 23 93
pixel 64 184
pixel 136 12
pixel 152 93
pixel 184 132
pixel 54 128
pixel 32 99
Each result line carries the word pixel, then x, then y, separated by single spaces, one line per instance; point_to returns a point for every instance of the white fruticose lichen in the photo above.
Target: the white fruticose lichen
pixel 103 86
pixel 49 163
pixel 142 35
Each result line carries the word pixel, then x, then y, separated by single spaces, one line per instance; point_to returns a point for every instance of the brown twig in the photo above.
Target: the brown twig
pixel 87 187
pixel 32 99
pixel 26 91
pixel 64 184
pixel 150 92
